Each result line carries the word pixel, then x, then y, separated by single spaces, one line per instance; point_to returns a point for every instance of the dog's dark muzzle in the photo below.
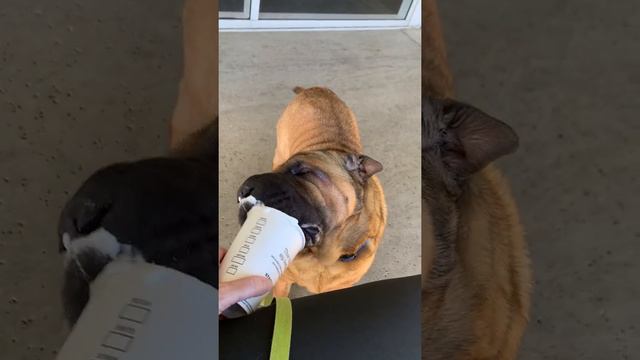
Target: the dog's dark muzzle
pixel 281 192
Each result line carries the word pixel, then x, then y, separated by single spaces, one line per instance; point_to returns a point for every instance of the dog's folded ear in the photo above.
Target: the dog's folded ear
pixel 466 138
pixel 364 165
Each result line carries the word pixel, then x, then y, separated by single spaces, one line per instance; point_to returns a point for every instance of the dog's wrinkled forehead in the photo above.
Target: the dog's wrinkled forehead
pixel 327 179
pixel 434 141
pixel 437 116
pixel 330 168
pixel 320 159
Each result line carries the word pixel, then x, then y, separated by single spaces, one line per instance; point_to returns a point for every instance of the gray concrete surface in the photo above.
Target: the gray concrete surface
pixel 82 84
pixel 375 72
pixel 566 75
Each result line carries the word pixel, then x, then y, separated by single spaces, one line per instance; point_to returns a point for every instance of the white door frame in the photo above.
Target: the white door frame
pixel 412 20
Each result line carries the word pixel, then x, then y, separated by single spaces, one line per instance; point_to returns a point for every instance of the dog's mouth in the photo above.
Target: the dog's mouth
pixel 245 204
pixel 312 232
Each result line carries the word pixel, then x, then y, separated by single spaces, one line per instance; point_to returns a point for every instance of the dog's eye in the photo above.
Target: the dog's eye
pixel 299 169
pixel 353 256
pixel 347 257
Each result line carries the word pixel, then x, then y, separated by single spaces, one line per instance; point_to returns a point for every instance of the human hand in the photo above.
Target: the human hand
pixel 231 292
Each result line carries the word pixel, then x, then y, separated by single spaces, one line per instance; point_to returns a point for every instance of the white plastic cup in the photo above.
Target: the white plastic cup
pixel 135 305
pixel 265 245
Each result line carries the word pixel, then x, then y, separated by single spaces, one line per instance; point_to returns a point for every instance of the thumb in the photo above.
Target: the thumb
pixel 233 291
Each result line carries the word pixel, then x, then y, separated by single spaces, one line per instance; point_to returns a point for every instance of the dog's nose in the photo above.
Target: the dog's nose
pixel 254 185
pixel 262 187
pixel 82 216
pixel 245 190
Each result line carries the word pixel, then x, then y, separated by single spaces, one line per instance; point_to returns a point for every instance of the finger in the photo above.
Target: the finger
pixel 236 290
pixel 221 252
pixel 233 291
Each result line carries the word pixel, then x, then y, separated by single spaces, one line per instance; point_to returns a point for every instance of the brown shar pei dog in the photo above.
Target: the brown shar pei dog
pixel 476 277
pixel 321 178
pixel 476 272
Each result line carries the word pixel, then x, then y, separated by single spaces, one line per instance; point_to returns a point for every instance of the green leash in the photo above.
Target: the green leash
pixel 281 341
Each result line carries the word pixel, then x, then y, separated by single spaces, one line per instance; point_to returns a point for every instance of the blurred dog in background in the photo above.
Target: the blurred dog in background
pixel 476 273
pixel 163 209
